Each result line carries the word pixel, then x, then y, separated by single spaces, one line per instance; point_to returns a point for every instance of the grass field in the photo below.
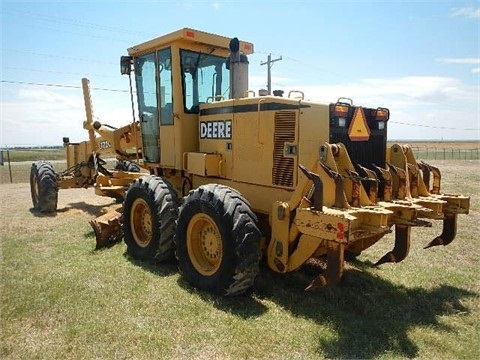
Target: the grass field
pixel 61 299
pixel 33 154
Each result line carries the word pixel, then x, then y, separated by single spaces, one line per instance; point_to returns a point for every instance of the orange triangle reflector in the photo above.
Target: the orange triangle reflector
pixel 358 130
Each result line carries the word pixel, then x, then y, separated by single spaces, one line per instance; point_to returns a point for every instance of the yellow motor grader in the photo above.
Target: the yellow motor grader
pixel 86 168
pixel 234 177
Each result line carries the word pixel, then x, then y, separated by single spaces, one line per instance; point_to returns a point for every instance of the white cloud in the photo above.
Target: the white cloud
pixel 216 5
pixel 468 12
pixel 57 99
pixel 412 89
pixel 44 116
pixel 462 61
pixel 459 60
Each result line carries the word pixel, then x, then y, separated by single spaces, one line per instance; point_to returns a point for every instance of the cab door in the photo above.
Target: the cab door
pixel 146 81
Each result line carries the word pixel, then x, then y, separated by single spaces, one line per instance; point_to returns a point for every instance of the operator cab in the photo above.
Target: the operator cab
pixel 174 74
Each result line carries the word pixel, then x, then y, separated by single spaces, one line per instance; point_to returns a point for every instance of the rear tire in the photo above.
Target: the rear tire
pixel 43 187
pixel 218 241
pixel 150 213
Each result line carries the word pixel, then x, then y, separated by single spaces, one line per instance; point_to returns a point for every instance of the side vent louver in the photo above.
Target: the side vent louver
pixel 282 172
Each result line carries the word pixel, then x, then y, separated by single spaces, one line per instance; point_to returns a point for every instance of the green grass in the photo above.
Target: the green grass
pixel 33 154
pixel 20 172
pixel 61 299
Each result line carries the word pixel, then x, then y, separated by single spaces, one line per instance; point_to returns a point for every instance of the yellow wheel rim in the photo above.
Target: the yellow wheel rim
pixel 141 223
pixel 204 244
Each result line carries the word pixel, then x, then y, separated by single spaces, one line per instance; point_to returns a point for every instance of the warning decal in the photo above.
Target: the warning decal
pixel 358 130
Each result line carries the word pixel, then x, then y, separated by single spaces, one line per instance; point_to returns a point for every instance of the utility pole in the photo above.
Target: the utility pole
pixel 270 62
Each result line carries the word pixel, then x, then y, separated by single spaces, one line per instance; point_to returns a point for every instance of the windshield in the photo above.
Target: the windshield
pixel 205 79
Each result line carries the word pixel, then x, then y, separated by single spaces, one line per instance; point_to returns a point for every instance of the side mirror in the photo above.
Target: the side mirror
pixel 125 65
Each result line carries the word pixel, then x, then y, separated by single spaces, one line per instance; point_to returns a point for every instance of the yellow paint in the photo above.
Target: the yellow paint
pixel 278 246
pixel 203 164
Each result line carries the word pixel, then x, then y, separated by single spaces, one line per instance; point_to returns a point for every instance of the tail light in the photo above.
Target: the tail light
pixel 341 111
pixel 382 114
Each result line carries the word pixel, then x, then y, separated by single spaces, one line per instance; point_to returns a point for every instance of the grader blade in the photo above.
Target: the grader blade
pixel 108 227
pixel 401 247
pixel 449 232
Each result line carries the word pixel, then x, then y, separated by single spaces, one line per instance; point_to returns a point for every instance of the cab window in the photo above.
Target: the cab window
pixel 205 79
pixel 165 82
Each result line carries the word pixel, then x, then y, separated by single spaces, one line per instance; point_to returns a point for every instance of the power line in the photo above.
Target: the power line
pixel 59 85
pixel 434 127
pixel 57 56
pixel 57 72
pixel 69 21
pixel 86 33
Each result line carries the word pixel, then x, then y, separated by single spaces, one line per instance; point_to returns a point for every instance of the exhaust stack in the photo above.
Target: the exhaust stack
pixel 237 63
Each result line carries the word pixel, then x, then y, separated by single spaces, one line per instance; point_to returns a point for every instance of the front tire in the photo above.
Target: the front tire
pixel 125 165
pixel 43 187
pixel 218 241
pixel 150 213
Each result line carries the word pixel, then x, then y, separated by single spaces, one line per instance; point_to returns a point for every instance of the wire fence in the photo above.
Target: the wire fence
pixel 439 153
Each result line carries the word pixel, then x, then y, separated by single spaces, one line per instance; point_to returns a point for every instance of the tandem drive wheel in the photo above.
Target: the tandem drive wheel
pixel 217 240
pixel 150 212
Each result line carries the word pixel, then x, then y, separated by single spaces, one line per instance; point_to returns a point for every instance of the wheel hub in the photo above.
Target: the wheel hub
pixel 141 223
pixel 204 244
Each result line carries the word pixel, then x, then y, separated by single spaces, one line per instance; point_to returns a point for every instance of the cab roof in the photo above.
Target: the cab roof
pixel 189 35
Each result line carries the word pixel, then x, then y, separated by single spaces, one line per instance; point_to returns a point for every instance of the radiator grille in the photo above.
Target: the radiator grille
pixel 283 167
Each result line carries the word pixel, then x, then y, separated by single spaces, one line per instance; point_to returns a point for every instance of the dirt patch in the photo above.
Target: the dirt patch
pixel 17 208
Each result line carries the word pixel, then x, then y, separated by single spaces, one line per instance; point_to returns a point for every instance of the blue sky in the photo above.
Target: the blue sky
pixel 420 59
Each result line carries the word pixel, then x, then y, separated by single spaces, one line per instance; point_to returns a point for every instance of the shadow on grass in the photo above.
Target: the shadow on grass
pixel 93 210
pixel 242 306
pixel 38 213
pixel 369 314
pixel 105 244
pixel 165 268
